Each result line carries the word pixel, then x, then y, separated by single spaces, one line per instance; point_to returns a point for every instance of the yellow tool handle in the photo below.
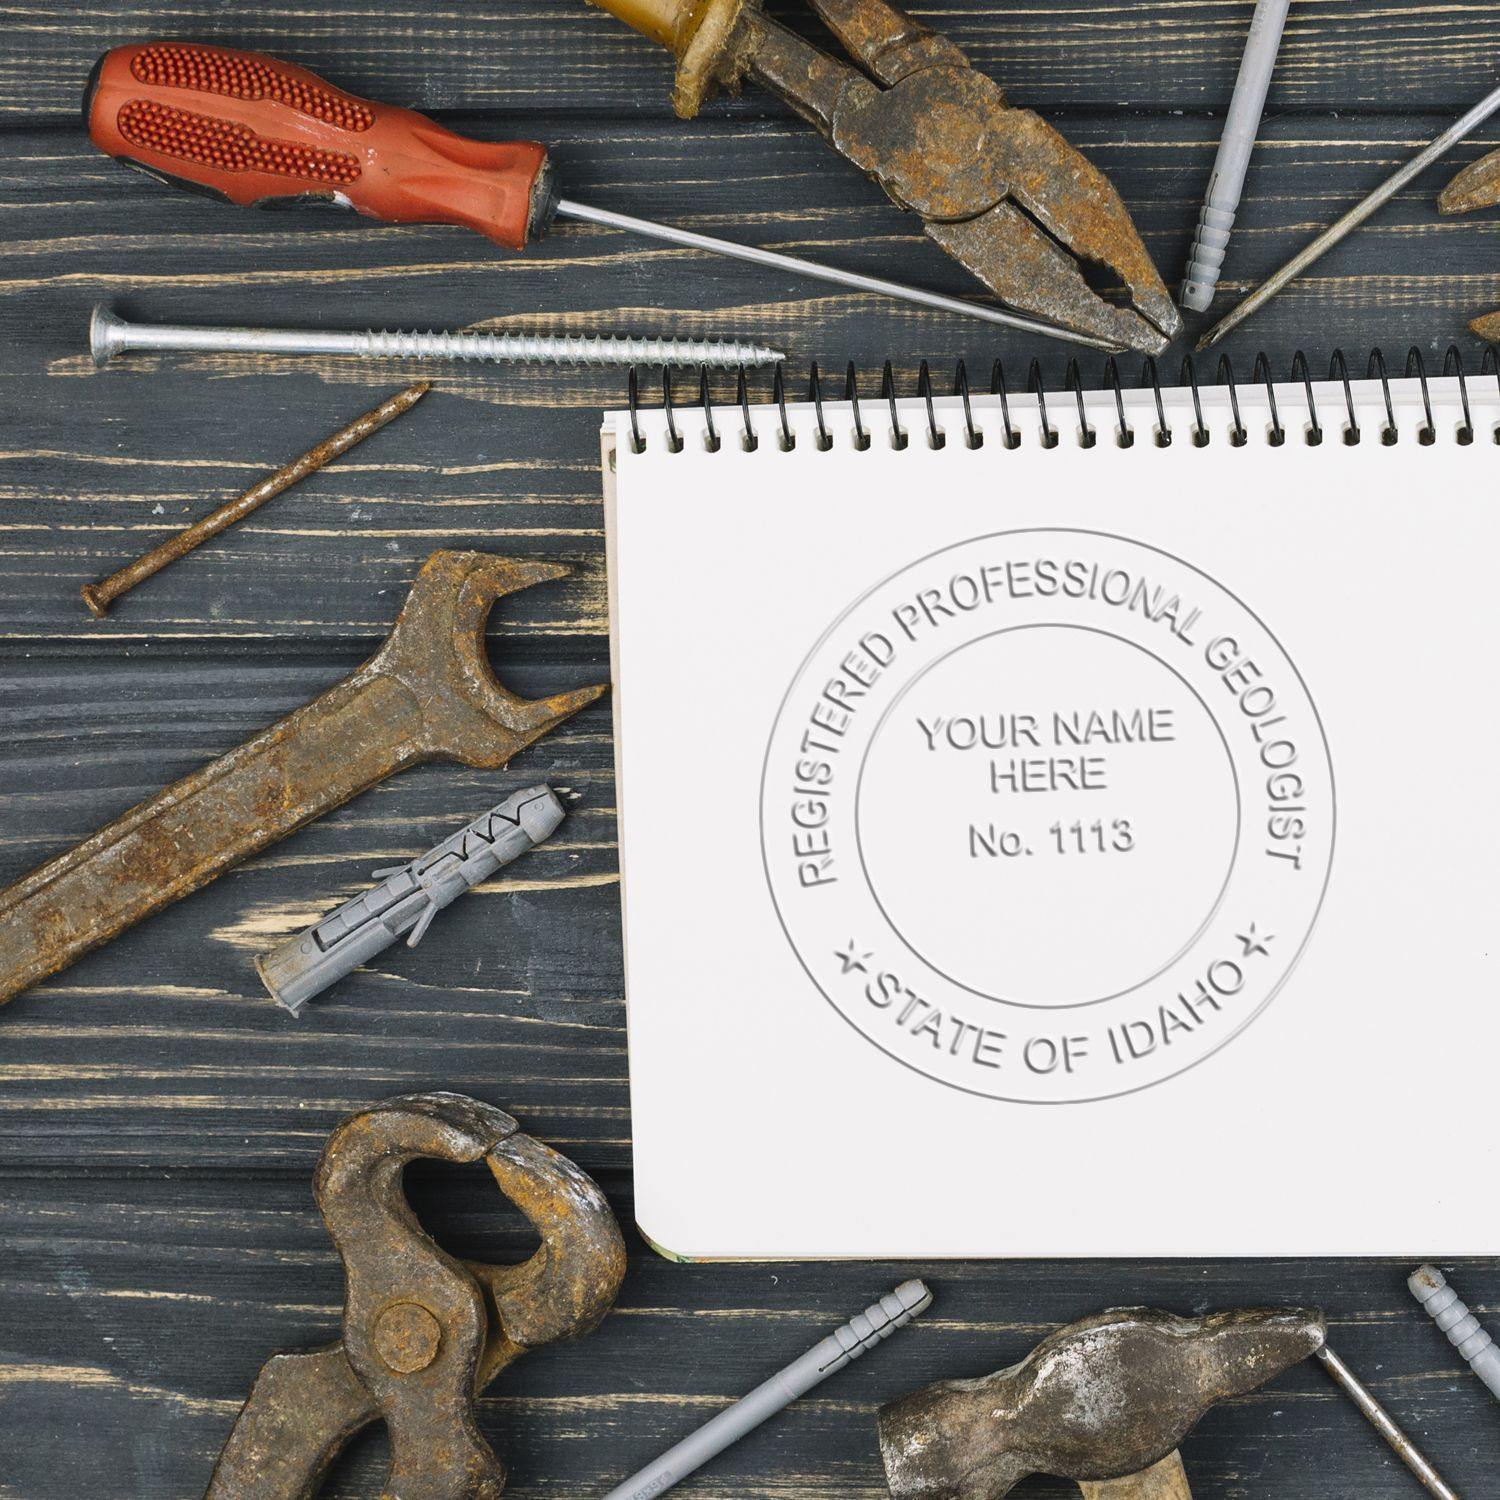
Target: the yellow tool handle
pixel 700 34
pixel 670 22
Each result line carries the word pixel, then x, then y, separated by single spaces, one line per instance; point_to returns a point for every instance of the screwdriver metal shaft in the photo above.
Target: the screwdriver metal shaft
pixel 754 255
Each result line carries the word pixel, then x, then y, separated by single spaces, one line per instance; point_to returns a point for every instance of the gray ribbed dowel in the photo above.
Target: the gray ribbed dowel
pixel 407 899
pixel 110 335
pixel 874 1324
pixel 1431 1289
pixel 1227 182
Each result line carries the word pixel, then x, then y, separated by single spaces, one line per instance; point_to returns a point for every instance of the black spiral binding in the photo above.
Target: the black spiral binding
pixel 1124 434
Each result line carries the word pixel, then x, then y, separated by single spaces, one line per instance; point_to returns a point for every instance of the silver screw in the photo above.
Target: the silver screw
pixel 1431 1289
pixel 110 335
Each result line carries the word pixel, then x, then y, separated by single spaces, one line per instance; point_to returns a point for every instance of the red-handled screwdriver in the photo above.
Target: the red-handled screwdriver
pixel 259 132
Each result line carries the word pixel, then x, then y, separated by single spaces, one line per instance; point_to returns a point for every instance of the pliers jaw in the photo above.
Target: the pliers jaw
pixel 1060 210
pixel 996 187
pixel 1476 187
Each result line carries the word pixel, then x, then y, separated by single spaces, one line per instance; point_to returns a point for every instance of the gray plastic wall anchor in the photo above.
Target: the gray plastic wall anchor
pixel 844 1345
pixel 1206 259
pixel 1227 181
pixel 1431 1289
pixel 407 899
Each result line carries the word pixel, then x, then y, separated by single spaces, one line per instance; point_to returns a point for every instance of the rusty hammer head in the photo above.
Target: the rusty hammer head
pixel 1108 1398
pixel 437 652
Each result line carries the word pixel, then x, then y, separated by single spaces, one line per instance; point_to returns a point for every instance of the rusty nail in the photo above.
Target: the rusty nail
pixel 99 596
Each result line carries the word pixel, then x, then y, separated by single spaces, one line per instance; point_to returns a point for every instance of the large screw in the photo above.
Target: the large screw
pixel 1431 1289
pixel 110 335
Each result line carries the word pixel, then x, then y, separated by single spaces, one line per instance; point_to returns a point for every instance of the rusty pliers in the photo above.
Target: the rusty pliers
pixel 423 1333
pixel 996 187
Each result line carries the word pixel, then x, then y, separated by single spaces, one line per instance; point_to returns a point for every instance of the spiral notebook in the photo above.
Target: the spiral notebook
pixel 1064 824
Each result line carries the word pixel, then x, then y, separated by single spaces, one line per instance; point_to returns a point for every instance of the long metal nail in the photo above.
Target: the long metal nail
pixel 856 279
pixel 1353 219
pixel 1382 1421
pixel 99 596
pixel 110 335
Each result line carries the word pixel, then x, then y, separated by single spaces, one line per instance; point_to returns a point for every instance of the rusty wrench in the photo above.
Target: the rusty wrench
pixel 423 1333
pixel 428 694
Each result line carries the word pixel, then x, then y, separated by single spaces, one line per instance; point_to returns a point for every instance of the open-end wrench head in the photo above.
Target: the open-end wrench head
pixel 438 650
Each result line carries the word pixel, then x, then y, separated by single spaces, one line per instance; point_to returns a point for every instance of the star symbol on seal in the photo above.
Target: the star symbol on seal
pixel 1253 942
pixel 853 959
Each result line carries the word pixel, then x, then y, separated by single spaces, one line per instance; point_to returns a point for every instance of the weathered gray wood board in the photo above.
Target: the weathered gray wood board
pixel 552 57
pixel 159 1116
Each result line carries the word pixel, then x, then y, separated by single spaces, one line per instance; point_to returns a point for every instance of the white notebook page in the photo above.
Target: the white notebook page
pixel 1062 851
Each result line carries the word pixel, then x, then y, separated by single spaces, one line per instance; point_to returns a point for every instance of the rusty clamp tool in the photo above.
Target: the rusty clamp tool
pixel 428 694
pixel 423 1333
pixel 998 188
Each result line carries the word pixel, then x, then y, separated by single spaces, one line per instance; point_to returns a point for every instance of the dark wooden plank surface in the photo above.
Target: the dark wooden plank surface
pixel 556 57
pixel 159 1118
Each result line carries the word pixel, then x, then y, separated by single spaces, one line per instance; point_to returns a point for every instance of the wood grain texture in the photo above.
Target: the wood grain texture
pixel 541 58
pixel 502 457
pixel 159 1116
pixel 125 1287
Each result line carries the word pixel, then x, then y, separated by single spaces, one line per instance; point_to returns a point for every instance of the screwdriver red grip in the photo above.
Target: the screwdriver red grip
pixel 261 132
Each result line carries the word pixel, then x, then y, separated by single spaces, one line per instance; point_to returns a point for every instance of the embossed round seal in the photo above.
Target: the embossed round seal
pixel 1048 815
